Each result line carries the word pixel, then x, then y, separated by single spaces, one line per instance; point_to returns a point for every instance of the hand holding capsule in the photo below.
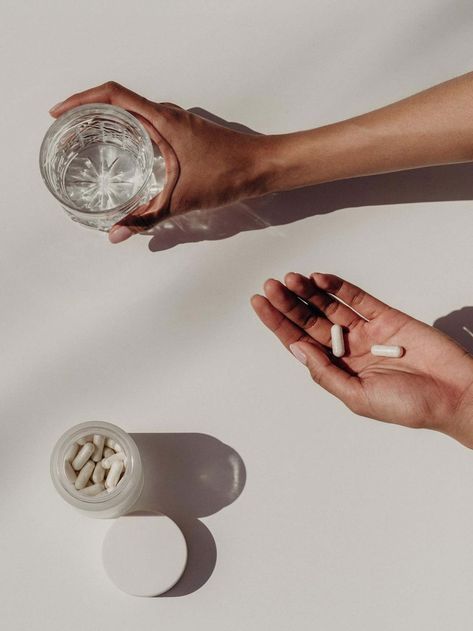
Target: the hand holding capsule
pixel 430 386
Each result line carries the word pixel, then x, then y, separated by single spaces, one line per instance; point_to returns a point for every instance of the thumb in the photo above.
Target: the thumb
pixel 157 208
pixel 323 371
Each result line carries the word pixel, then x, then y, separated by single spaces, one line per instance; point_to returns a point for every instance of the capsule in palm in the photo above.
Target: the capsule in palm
pixel 387 351
pixel 338 343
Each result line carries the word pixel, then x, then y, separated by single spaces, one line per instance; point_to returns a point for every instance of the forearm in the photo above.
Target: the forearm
pixel 430 128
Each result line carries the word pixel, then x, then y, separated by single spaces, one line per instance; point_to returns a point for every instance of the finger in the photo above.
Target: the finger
pixel 344 386
pixel 172 105
pixel 140 220
pixel 302 315
pixel 366 305
pixel 334 310
pixel 158 208
pixel 109 92
pixel 284 329
pixel 118 233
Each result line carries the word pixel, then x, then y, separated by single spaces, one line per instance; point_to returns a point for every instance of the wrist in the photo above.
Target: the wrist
pixel 265 166
pixel 461 425
pixel 276 163
pixel 305 158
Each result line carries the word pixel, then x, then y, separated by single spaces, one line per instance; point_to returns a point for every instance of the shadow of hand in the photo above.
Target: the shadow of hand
pixel 443 183
pixel 459 326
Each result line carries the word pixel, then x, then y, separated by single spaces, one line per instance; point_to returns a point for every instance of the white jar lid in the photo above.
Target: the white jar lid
pixel 144 553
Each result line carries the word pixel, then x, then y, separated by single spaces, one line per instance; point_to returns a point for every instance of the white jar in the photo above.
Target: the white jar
pixel 106 505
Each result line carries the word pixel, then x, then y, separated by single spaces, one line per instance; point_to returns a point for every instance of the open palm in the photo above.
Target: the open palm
pixel 428 387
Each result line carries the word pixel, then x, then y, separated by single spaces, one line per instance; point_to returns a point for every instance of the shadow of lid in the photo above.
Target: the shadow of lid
pixel 187 476
pixel 201 559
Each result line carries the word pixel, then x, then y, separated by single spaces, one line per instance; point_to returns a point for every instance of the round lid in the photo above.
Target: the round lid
pixel 144 553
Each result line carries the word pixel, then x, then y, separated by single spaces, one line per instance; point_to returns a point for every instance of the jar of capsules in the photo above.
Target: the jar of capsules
pixel 96 467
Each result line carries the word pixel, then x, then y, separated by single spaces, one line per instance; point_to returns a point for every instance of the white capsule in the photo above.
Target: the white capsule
pixel 99 473
pixel 98 441
pixel 85 439
pixel 71 453
pixel 111 444
pixel 107 462
pixel 107 452
pixel 387 351
pixel 84 475
pixel 69 471
pixel 338 343
pixel 114 474
pixel 84 454
pixel 95 489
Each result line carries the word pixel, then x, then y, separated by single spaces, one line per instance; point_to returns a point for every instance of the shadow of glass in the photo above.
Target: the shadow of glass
pixel 188 476
pixel 459 326
pixel 442 183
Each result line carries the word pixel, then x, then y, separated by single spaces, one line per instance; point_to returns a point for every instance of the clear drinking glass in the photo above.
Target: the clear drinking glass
pixel 99 163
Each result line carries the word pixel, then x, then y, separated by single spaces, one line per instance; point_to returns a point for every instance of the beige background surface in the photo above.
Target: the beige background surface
pixel 343 523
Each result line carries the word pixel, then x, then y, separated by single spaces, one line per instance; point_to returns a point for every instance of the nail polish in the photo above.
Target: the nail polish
pixel 118 234
pixel 55 107
pixel 298 354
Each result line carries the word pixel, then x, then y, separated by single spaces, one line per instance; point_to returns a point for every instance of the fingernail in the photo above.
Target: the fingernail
pixel 118 234
pixel 55 107
pixel 298 354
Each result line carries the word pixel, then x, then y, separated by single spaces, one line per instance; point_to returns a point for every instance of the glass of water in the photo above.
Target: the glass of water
pixel 98 162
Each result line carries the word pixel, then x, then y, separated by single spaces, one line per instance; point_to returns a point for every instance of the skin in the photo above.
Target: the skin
pixel 210 166
pixel 430 386
pixel 222 172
